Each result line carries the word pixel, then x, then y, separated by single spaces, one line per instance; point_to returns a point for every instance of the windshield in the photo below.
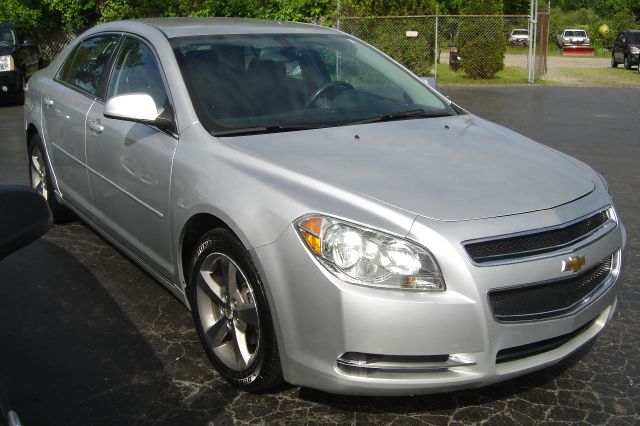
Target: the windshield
pixel 520 32
pixel 296 81
pixel 7 38
pixel 575 34
pixel 634 38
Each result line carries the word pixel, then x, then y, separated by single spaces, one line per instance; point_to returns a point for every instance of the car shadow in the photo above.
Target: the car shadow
pixel 70 354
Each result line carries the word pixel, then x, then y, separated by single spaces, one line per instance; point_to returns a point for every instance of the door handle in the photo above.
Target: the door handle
pixel 48 101
pixel 95 126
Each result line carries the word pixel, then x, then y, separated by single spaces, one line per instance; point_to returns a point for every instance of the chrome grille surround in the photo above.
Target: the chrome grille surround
pixel 562 240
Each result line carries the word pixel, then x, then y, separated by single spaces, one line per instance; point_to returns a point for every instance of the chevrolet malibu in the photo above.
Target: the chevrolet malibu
pixel 330 219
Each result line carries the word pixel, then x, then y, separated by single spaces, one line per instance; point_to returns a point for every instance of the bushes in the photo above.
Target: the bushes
pixel 389 35
pixel 481 40
pixel 591 21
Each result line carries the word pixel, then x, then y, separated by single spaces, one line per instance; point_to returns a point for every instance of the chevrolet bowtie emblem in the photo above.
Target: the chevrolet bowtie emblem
pixel 574 264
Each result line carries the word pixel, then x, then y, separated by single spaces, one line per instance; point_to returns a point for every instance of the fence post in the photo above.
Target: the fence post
pixel 436 49
pixel 532 37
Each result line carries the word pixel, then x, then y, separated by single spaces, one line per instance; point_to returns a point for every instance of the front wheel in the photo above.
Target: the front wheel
pixel 231 313
pixel 614 63
pixel 627 62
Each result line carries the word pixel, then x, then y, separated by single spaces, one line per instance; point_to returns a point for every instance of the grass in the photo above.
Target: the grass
pixel 509 75
pixel 596 77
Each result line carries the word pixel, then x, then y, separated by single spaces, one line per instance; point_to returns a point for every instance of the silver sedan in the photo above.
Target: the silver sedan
pixel 330 220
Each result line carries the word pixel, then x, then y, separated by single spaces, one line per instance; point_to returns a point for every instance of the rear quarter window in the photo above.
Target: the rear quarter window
pixel 85 65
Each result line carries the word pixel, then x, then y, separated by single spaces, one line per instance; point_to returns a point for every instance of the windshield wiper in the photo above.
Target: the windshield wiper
pixel 414 113
pixel 271 128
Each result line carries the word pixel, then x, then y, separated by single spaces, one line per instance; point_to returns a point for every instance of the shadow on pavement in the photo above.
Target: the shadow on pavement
pixel 70 355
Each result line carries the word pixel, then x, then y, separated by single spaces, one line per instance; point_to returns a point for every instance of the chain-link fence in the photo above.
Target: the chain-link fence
pixel 452 46
pixel 51 43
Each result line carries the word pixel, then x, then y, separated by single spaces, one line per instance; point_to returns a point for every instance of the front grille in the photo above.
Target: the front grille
pixel 551 299
pixel 535 243
pixel 525 351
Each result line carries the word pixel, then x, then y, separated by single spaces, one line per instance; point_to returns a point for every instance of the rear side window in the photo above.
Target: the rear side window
pixel 84 67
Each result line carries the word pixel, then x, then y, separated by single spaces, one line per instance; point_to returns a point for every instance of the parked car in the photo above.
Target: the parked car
pixel 19 59
pixel 573 37
pixel 344 227
pixel 626 49
pixel 24 217
pixel 519 37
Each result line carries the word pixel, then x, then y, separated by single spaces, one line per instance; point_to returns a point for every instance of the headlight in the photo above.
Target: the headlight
pixel 635 50
pixel 6 63
pixel 364 256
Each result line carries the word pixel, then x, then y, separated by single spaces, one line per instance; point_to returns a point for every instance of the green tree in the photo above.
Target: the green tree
pixel 24 14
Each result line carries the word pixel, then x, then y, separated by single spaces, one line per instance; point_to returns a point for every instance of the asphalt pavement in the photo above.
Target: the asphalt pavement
pixel 86 337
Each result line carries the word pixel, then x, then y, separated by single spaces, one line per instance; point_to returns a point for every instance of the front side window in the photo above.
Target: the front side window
pixel 7 37
pixel 88 62
pixel 136 71
pixel 295 81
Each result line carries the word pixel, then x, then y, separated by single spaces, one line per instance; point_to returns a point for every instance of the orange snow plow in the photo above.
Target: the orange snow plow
pixel 578 50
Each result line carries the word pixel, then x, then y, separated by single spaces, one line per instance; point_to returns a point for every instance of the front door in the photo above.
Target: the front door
pixel 130 163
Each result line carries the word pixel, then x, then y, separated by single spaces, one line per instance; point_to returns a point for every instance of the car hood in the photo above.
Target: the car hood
pixel 452 168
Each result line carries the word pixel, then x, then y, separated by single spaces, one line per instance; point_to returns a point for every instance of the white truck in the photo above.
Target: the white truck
pixel 575 42
pixel 573 37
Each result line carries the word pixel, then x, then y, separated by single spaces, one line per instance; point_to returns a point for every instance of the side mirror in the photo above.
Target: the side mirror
pixel 29 43
pixel 24 217
pixel 139 108
pixel 431 82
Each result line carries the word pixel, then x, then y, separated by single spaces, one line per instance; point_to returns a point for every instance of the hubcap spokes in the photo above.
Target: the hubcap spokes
pixel 39 174
pixel 227 311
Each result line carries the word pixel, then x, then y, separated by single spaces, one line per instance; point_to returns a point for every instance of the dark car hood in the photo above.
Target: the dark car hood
pixel 453 168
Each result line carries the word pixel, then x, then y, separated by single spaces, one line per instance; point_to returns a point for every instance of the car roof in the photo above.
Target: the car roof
pixel 198 26
pixel 9 25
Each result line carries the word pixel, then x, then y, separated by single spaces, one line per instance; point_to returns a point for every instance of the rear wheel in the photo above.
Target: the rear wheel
pixel 40 179
pixel 231 313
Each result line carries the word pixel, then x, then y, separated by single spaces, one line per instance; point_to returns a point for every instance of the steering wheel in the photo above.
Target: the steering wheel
pixel 337 86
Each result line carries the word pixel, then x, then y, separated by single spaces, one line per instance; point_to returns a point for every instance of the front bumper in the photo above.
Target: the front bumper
pixel 424 342
pixel 9 83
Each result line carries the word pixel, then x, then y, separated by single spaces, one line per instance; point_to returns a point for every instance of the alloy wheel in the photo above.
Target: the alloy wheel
pixel 228 312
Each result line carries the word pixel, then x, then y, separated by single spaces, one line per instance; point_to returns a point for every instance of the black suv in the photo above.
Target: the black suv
pixel 626 49
pixel 19 59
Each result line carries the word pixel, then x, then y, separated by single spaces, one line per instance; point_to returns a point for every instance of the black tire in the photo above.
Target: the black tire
pixel 44 186
pixel 19 93
pixel 614 63
pixel 262 370
pixel 627 62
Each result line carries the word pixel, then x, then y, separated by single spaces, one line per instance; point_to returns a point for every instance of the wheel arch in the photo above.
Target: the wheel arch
pixel 197 225
pixel 32 130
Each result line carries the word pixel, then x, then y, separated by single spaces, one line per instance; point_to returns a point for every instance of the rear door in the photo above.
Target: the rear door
pixel 130 163
pixel 66 101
